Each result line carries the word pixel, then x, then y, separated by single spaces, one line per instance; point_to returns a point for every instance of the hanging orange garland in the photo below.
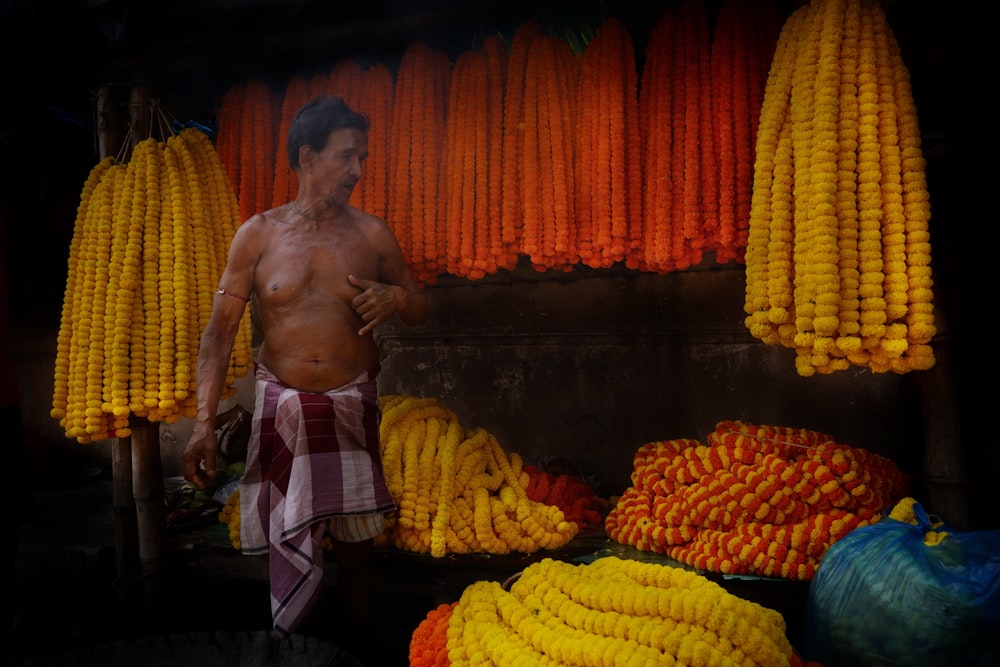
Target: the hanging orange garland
pixel 655 113
pixel 512 211
pixel 285 181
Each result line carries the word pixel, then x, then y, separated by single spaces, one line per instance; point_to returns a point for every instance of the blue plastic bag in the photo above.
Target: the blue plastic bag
pixel 906 594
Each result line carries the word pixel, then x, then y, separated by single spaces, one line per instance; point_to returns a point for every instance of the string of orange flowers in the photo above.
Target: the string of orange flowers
pixel 693 118
pixel 531 182
pixel 512 211
pixel 285 180
pixel 228 137
pixel 419 121
pixel 402 152
pixel 655 112
pixel 497 61
pixel 564 112
pixel 609 66
pixel 257 148
pixel 459 163
pixel 375 99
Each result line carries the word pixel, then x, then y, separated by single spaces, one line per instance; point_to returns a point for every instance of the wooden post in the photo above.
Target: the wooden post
pixel 147 469
pixel 151 512
pixel 944 463
pixel 126 531
pixel 109 139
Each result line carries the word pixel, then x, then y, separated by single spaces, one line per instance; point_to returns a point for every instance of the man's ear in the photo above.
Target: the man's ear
pixel 305 156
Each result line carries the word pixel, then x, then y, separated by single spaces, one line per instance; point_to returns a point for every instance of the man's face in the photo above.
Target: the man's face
pixel 339 166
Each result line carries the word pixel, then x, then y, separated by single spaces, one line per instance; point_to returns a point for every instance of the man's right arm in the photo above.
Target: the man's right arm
pixel 201 453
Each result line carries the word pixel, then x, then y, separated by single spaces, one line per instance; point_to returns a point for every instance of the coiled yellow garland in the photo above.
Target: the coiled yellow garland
pixel 149 241
pixel 612 612
pixel 457 490
pixel 838 256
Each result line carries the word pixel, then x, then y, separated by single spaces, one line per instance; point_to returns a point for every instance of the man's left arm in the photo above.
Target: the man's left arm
pixel 395 291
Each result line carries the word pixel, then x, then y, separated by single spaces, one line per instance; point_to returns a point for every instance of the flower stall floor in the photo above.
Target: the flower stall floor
pixel 68 598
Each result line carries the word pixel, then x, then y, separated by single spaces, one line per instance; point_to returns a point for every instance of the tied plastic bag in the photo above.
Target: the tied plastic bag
pixel 906 593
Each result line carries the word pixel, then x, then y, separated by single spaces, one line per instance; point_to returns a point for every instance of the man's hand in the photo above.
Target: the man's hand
pixel 376 303
pixel 200 457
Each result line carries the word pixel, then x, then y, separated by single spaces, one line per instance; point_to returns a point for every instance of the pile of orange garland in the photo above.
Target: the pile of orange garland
pixel 838 262
pixel 541 151
pixel 457 490
pixel 755 500
pixel 611 612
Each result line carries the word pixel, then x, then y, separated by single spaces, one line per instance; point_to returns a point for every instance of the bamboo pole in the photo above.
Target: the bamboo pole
pixel 126 529
pixel 151 512
pixel 944 462
pixel 147 470
pixel 109 139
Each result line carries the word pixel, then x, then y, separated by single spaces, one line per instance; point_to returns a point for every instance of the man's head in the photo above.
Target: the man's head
pixel 316 119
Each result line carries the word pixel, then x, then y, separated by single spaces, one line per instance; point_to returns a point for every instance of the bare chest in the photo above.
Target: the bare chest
pixel 313 266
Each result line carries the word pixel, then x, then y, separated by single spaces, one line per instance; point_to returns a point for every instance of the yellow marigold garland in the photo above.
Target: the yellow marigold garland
pixel 839 88
pixel 140 270
pixel 612 612
pixel 457 490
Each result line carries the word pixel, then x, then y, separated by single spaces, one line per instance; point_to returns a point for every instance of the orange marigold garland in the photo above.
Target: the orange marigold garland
pixel 418 127
pixel 759 500
pixel 375 99
pixel 429 641
pixel 285 181
pixel 608 68
pixel 743 43
pixel 512 210
pixel 655 116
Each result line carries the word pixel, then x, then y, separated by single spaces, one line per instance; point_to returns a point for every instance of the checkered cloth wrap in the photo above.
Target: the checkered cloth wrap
pixel 310 457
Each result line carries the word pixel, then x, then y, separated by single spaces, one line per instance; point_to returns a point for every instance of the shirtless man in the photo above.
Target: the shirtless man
pixel 324 276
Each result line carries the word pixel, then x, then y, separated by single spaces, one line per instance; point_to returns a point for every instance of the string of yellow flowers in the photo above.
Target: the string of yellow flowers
pixel 457 490
pixel 128 332
pixel 612 612
pixel 873 306
pixel 893 344
pixel 123 268
pixel 917 213
pixel 849 327
pixel 220 227
pixel 64 349
pixel 852 272
pixel 126 221
pixel 768 301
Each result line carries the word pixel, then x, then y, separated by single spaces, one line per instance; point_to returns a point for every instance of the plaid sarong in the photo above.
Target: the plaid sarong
pixel 310 457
